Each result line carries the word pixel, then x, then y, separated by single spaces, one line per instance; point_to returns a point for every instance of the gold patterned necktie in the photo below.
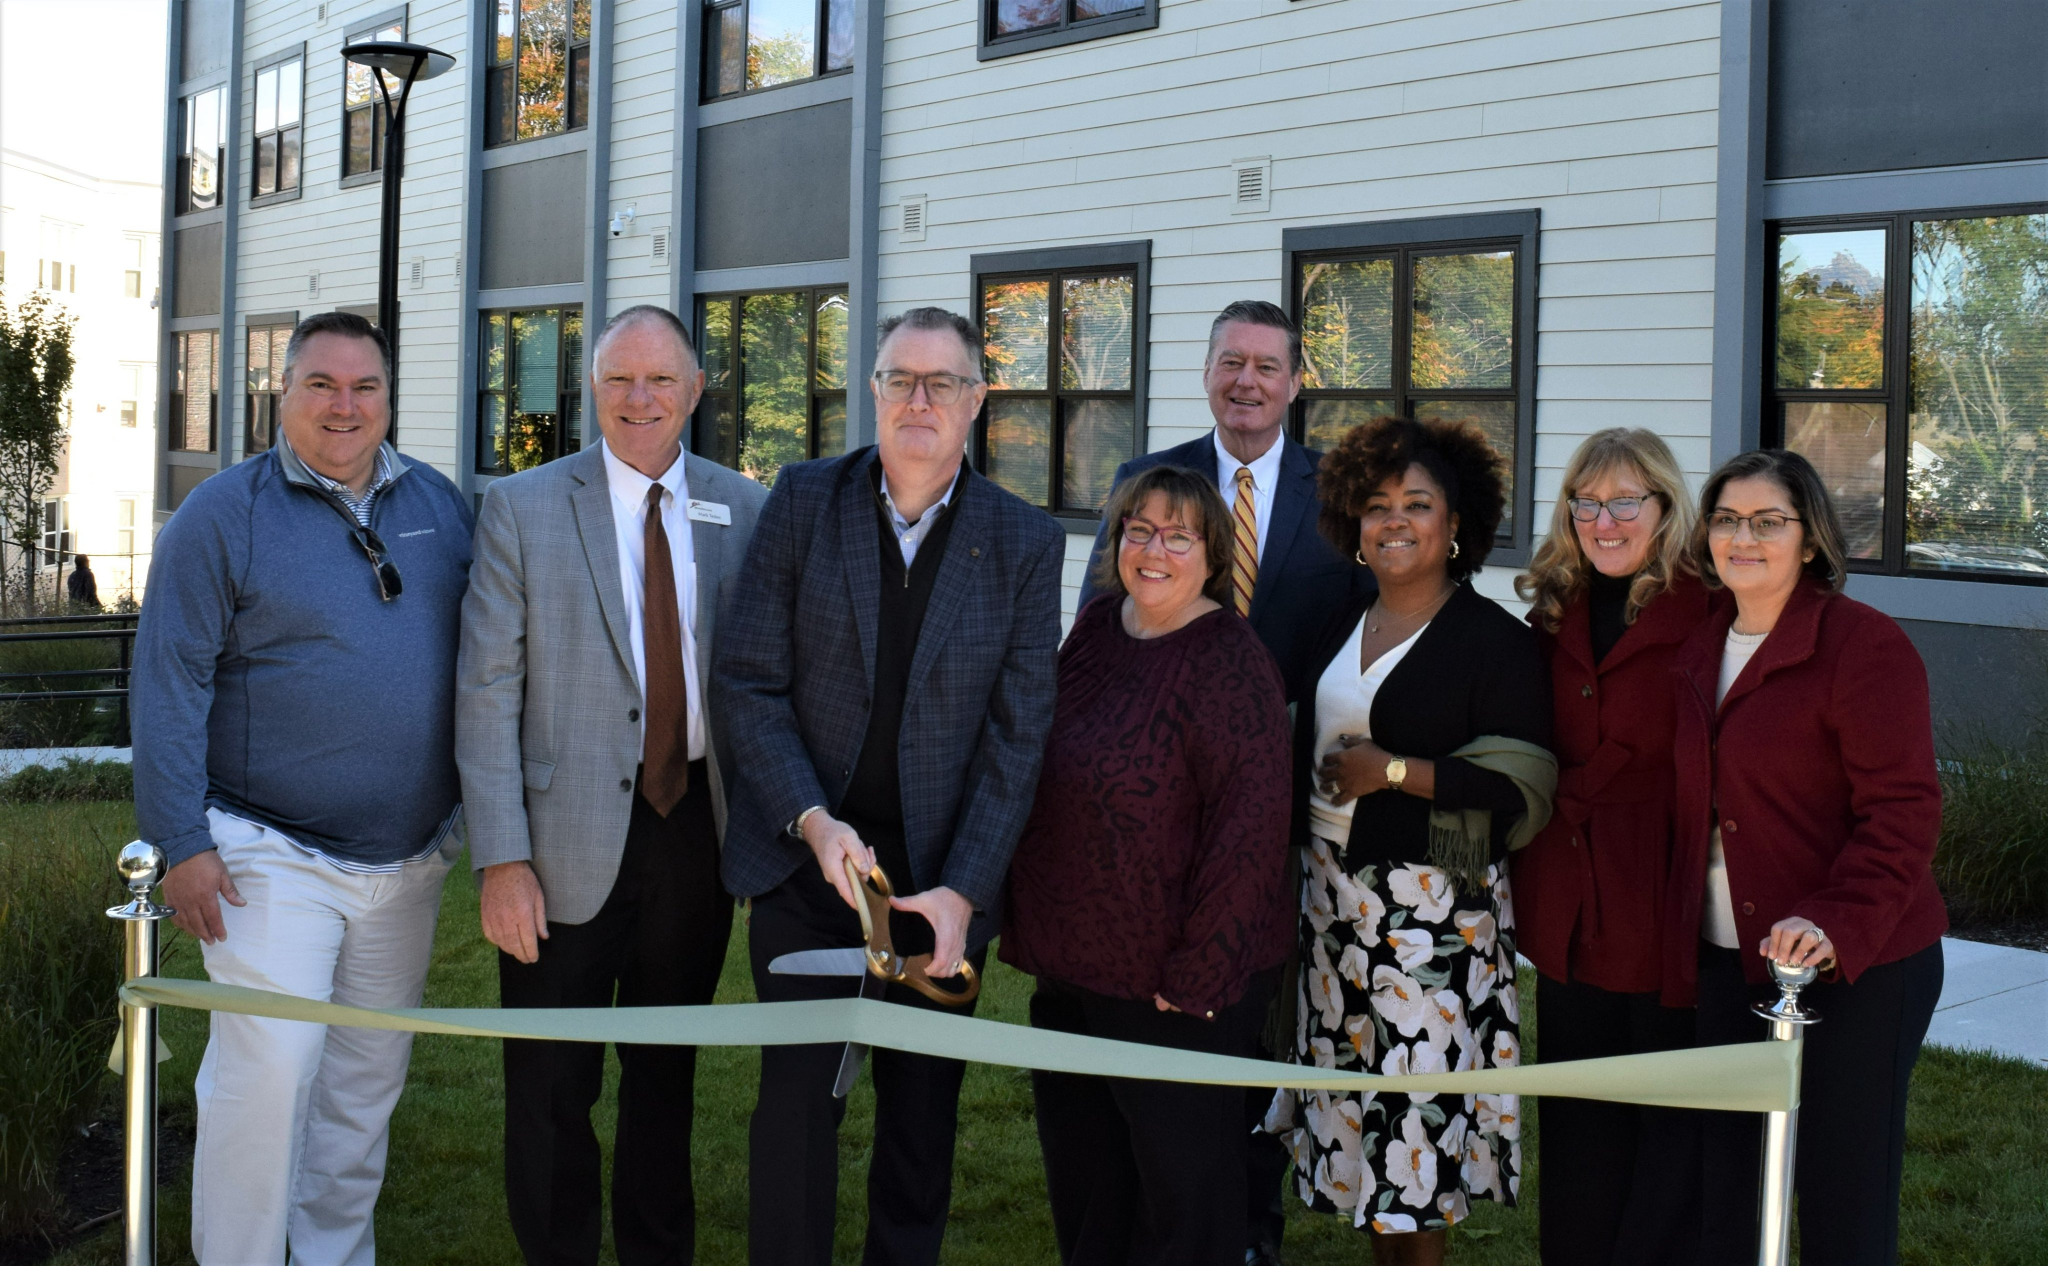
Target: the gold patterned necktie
pixel 1244 557
pixel 665 752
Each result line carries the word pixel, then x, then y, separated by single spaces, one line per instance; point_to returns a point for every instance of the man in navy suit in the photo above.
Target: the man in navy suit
pixel 1285 578
pixel 887 677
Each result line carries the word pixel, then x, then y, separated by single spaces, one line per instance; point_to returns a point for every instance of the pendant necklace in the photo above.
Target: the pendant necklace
pixel 1373 627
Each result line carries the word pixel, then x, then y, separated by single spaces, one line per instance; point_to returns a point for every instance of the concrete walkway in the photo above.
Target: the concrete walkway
pixel 1993 998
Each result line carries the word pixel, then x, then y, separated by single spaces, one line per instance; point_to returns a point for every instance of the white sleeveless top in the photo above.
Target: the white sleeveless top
pixel 1344 707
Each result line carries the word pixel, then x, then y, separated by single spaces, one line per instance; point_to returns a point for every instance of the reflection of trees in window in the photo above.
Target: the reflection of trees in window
pixel 195 389
pixel 1057 351
pixel 199 152
pixel 539 78
pixel 1421 331
pixel 362 106
pixel 1830 314
pixel 774 379
pixel 1019 17
pixel 277 128
pixel 265 385
pixel 753 44
pixel 530 406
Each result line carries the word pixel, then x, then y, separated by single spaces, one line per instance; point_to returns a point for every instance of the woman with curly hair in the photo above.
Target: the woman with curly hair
pixel 1613 593
pixel 1421 760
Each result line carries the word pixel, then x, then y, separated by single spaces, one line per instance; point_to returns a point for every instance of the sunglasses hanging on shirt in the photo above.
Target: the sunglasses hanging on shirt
pixel 389 584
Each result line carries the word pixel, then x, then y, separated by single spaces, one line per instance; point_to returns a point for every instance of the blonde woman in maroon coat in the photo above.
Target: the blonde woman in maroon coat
pixel 1808 812
pixel 1612 592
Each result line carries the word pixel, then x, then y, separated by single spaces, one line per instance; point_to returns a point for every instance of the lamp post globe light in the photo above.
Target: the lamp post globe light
pixel 408 64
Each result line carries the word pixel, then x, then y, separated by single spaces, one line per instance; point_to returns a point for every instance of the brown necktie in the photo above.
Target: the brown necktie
pixel 665 754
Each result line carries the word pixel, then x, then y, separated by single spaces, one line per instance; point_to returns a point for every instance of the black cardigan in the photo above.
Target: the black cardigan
pixel 1475 671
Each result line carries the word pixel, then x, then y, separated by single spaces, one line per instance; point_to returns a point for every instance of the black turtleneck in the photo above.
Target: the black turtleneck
pixel 1609 597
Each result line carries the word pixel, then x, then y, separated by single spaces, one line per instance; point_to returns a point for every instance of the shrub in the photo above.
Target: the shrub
pixel 60 960
pixel 1992 863
pixel 76 779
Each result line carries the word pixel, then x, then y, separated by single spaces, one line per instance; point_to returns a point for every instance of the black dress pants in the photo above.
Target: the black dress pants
pixel 793 1140
pixel 1621 1182
pixel 1140 1171
pixel 658 941
pixel 1852 1108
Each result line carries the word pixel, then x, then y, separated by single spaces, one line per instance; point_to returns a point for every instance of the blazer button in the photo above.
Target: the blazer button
pixel 1728 828
pixel 632 714
pixel 1586 691
pixel 1749 908
pixel 625 785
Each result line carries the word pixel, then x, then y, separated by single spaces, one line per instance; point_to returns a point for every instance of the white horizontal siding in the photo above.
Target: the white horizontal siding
pixel 642 146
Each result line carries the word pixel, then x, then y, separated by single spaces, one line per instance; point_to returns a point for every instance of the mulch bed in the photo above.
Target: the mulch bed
pixel 2025 934
pixel 90 1179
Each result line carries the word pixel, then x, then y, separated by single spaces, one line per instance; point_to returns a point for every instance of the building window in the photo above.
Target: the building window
pixel 199 152
pixel 131 274
pixel 1421 319
pixel 1923 405
pixel 530 409
pixel 124 528
pixel 278 93
pixel 362 105
pixel 774 379
pixel 1063 348
pixel 56 532
pixel 538 83
pixel 195 390
pixel 266 385
pixel 755 44
pixel 132 383
pixel 1020 26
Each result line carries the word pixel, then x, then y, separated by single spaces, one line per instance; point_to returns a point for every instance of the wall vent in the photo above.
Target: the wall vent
pixel 912 228
pixel 458 265
pixel 320 13
pixel 313 284
pixel 657 247
pixel 416 272
pixel 1251 185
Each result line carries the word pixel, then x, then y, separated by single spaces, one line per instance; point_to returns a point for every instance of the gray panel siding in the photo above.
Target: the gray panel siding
pixel 198 271
pixel 1988 684
pixel 1879 85
pixel 774 189
pixel 208 37
pixel 533 222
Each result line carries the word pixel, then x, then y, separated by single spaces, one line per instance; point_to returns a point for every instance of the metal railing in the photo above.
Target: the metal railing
pixel 117 626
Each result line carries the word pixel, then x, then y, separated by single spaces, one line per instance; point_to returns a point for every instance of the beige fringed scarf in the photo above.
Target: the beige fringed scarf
pixel 1461 841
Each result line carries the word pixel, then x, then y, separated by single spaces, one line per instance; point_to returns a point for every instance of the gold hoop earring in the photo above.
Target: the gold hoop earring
pixel 1454 547
pixel 1359 554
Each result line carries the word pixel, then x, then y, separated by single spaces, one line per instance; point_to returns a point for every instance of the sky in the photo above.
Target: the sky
pixel 100 114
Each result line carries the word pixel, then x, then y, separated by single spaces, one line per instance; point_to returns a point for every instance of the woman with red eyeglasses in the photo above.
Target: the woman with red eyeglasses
pixel 1149 893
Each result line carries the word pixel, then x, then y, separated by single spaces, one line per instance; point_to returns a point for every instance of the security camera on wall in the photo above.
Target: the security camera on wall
pixel 623 220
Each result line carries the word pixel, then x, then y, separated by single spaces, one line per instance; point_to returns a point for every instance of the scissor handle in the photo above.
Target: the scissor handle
pixel 875 892
pixel 916 974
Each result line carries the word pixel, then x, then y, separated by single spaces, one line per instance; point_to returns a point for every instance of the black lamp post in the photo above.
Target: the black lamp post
pixel 409 64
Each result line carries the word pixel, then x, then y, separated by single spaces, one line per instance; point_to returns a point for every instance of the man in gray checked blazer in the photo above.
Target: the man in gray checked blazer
pixel 887 677
pixel 593 772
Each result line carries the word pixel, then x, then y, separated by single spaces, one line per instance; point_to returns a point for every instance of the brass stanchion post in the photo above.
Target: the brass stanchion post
pixel 141 866
pixel 1781 1130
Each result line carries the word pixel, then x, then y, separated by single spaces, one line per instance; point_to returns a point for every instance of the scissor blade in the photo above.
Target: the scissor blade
pixel 871 986
pixel 833 961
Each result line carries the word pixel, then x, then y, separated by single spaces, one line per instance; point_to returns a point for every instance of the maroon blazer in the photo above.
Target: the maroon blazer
pixel 1590 889
pixel 1819 767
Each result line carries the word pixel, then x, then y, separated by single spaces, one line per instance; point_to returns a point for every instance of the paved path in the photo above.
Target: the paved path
pixel 1993 998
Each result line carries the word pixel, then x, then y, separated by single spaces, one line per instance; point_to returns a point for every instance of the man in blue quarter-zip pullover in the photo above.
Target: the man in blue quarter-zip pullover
pixel 294 705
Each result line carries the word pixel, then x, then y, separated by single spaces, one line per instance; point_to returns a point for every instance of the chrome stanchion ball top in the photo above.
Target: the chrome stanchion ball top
pixel 1785 1009
pixel 141 867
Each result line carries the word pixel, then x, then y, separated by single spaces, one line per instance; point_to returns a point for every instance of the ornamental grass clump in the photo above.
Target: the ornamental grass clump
pixel 1992 863
pixel 59 966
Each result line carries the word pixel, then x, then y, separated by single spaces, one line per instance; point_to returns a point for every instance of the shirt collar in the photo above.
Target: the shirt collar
pixel 389 467
pixel 630 485
pixel 930 515
pixel 1265 468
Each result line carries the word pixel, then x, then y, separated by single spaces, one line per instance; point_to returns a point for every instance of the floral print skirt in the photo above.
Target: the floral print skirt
pixel 1403 972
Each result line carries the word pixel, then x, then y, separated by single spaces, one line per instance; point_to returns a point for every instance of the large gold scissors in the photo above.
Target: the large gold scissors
pixel 875 893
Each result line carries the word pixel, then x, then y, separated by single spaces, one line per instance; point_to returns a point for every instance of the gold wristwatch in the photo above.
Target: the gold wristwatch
pixel 1397 770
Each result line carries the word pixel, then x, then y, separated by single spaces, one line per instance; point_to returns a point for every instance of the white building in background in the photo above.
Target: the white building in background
pixel 1721 219
pixel 91 244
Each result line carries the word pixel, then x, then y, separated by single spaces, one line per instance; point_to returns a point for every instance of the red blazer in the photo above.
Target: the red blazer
pixel 1590 889
pixel 1825 789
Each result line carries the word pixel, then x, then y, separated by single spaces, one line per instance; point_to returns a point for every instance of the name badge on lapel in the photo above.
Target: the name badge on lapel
pixel 711 513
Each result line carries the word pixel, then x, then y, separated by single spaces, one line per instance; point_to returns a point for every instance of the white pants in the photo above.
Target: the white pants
pixel 294 1118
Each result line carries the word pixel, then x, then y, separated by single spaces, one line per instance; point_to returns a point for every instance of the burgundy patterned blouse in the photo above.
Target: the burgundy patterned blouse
pixel 1155 858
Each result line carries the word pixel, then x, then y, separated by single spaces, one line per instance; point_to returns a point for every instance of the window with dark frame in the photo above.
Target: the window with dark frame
pixel 200 153
pixel 530 403
pixel 276 133
pixel 195 390
pixel 1020 26
pixel 362 105
pixel 538 81
pixel 774 379
pixel 265 386
pixel 1907 359
pixel 754 44
pixel 1421 328
pixel 1062 354
pixel 56 531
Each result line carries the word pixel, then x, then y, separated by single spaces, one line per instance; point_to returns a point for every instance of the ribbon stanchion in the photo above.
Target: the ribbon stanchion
pixel 141 865
pixel 1781 1126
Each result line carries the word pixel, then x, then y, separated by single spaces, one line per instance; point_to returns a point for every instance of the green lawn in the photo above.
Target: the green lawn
pixel 1976 1176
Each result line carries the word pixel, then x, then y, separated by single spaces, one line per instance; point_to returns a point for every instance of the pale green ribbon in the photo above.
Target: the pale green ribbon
pixel 1752 1077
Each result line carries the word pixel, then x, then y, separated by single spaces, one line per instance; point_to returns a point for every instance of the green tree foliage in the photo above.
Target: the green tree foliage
pixel 1464 321
pixel 35 371
pixel 774 357
pixel 779 59
pixel 1829 333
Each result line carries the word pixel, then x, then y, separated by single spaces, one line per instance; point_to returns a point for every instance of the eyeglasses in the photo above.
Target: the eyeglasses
pixel 898 386
pixel 389 584
pixel 1139 534
pixel 1764 527
pixel 1587 509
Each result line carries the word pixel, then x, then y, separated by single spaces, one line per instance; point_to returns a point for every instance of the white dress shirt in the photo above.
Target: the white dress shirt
pixel 629 518
pixel 1265 470
pixel 909 536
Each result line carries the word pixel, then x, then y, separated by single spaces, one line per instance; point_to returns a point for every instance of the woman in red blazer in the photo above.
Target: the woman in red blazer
pixel 1612 592
pixel 1808 811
